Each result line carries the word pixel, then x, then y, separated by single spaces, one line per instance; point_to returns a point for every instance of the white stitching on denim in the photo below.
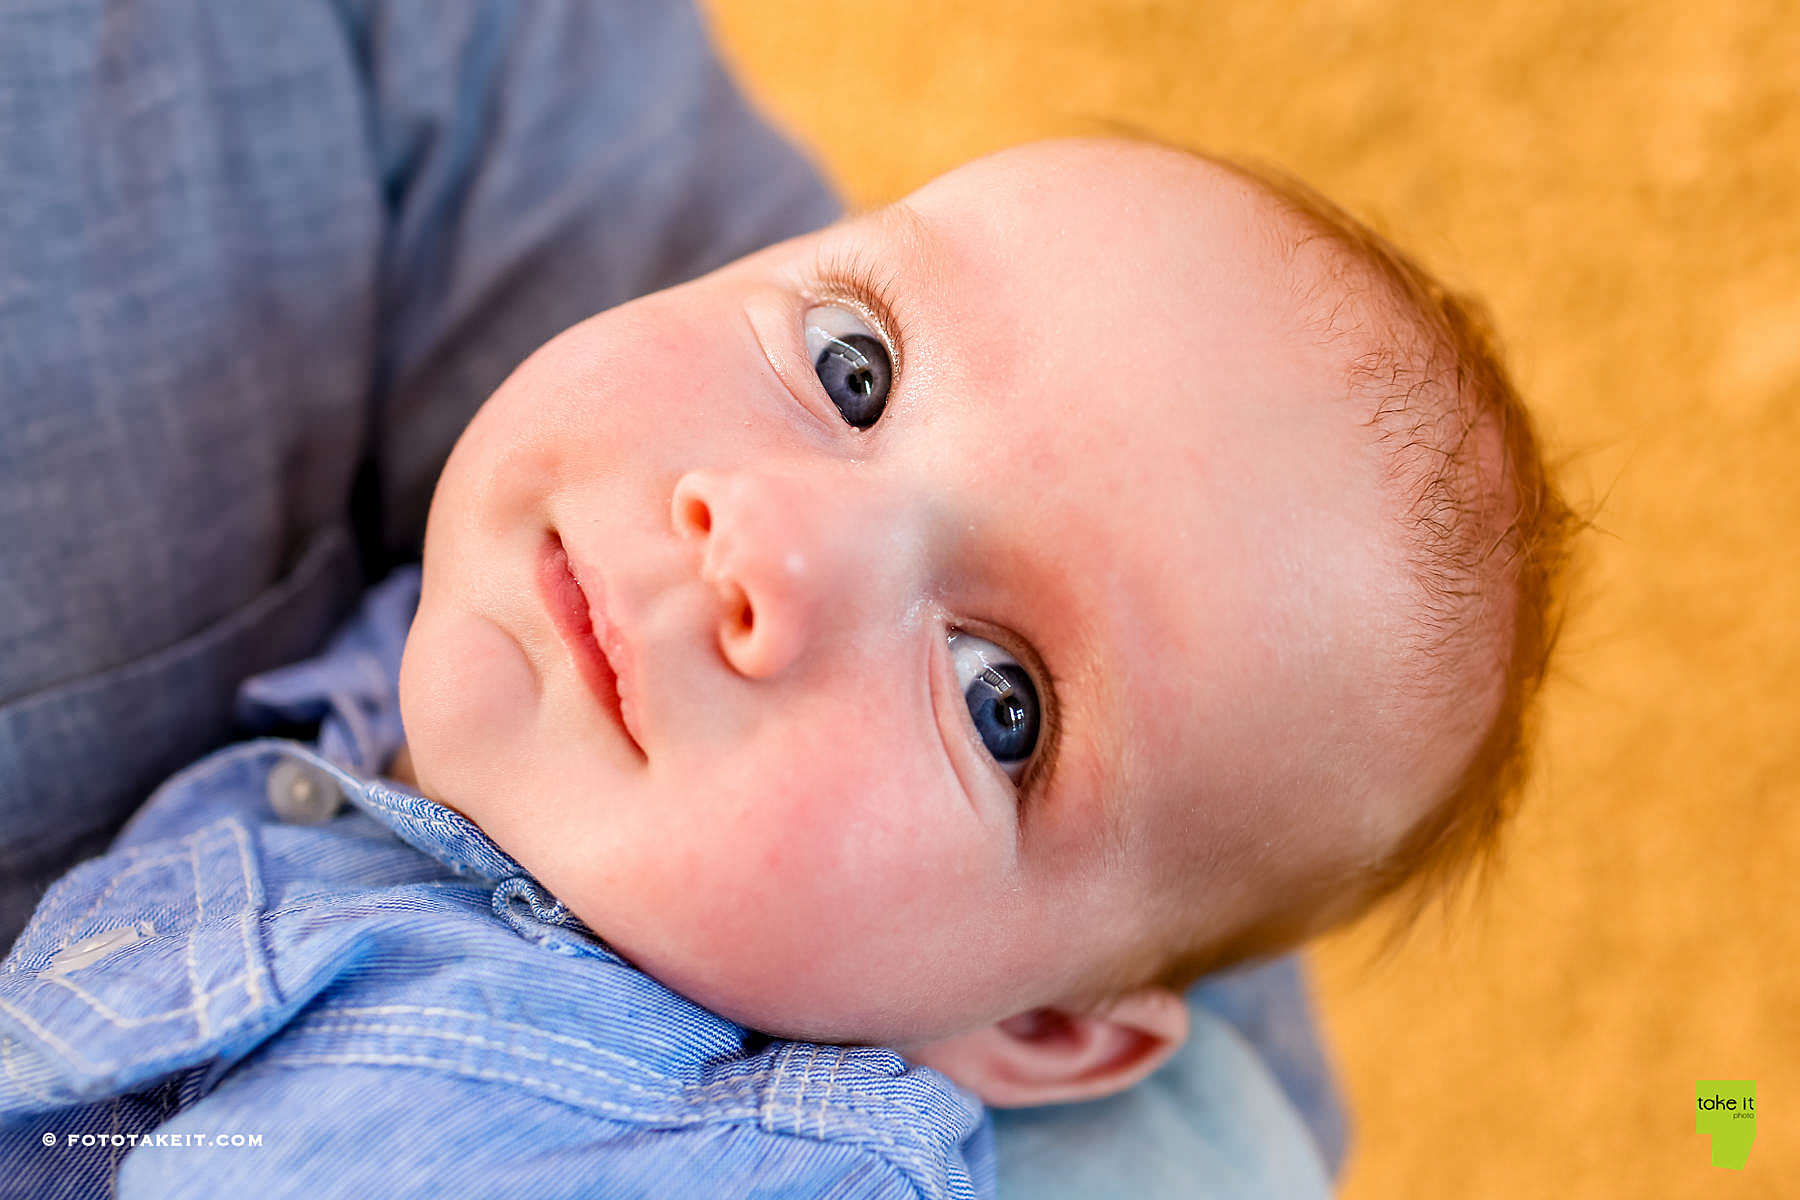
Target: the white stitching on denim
pixel 427 1010
pixel 139 859
pixel 70 928
pixel 31 1089
pixel 196 1003
pixel 24 1018
pixel 252 964
pixel 277 1059
pixel 216 761
pixel 357 904
pixel 198 999
pixel 811 1065
pixel 751 1113
pixel 231 754
pixel 830 1087
pixel 90 1064
pixel 673 1093
pixel 119 1020
pixel 254 970
pixel 804 1084
pixel 868 1132
pixel 772 1099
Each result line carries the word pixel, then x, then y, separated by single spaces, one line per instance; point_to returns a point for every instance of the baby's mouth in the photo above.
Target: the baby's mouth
pixel 584 629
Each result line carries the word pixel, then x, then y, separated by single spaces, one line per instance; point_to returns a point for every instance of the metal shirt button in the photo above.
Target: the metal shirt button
pixel 301 794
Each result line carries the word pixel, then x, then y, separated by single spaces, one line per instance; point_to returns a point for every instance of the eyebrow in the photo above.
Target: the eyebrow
pixel 898 222
pixel 899 217
pixel 922 249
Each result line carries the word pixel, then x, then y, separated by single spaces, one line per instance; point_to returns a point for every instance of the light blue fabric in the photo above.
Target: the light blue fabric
pixel 259 263
pixel 395 1007
pixel 1228 1116
pixel 1211 1124
pixel 1268 1005
pixel 370 995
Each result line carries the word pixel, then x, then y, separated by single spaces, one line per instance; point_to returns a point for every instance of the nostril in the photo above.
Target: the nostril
pixel 695 515
pixel 743 617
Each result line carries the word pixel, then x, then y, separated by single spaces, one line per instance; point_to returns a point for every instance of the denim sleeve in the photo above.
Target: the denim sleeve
pixel 258 265
pixel 329 1130
pixel 542 162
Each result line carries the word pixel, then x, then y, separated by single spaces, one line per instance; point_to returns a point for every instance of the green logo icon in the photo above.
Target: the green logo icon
pixel 1727 1113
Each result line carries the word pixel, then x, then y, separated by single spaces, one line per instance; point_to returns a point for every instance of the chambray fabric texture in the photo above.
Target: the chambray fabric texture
pixel 260 261
pixel 258 264
pixel 397 1008
pixel 386 993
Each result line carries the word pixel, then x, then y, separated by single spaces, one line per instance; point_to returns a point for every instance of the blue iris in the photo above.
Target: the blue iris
pixel 1004 705
pixel 855 371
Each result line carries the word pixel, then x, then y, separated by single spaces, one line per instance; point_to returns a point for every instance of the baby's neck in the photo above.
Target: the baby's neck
pixel 400 769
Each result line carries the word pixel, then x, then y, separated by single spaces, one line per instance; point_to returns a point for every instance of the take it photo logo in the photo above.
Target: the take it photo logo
pixel 1727 1112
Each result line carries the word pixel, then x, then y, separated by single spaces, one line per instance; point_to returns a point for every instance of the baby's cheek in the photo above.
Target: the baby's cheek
pixel 853 828
pixel 826 876
pixel 461 681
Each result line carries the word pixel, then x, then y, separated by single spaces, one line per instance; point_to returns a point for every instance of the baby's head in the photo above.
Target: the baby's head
pixel 1100 567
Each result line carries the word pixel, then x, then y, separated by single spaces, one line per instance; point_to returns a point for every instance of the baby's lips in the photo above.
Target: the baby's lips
pixel 613 644
pixel 624 664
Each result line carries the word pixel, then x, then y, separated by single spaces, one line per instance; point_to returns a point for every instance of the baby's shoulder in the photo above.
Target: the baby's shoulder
pixel 212 920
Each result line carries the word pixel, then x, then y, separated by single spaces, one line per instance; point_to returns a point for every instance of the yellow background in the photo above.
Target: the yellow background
pixel 1619 181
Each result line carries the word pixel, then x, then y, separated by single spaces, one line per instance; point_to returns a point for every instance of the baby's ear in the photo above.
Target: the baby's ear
pixel 1054 1056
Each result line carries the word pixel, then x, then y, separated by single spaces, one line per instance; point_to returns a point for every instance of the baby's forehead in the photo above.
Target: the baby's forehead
pixel 1121 288
pixel 1123 320
pixel 1096 234
pixel 1168 356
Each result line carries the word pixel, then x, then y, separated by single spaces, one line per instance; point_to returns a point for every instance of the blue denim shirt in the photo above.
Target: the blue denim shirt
pixel 382 1002
pixel 321 232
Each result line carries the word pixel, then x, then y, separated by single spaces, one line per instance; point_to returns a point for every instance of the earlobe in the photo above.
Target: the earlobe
pixel 1056 1056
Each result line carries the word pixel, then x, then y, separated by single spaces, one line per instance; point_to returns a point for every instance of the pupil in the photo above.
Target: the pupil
pixel 1004 704
pixel 855 373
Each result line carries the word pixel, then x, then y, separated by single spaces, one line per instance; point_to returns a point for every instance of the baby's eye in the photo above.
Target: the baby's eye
pixel 851 361
pixel 1001 698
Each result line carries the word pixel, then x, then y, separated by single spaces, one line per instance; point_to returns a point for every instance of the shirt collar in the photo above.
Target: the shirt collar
pixel 423 823
pixel 351 689
pixel 457 842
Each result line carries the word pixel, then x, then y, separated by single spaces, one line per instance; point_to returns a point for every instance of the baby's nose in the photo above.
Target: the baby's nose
pixel 778 551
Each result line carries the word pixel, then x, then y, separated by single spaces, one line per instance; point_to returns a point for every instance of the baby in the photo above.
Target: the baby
pixel 953 631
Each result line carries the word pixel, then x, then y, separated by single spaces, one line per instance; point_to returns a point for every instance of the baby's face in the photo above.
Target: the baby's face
pixel 926 719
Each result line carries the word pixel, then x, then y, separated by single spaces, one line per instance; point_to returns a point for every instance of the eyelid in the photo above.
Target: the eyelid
pixel 844 275
pixel 1032 785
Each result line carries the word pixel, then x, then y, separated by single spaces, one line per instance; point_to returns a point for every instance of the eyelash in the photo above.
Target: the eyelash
pixel 844 273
